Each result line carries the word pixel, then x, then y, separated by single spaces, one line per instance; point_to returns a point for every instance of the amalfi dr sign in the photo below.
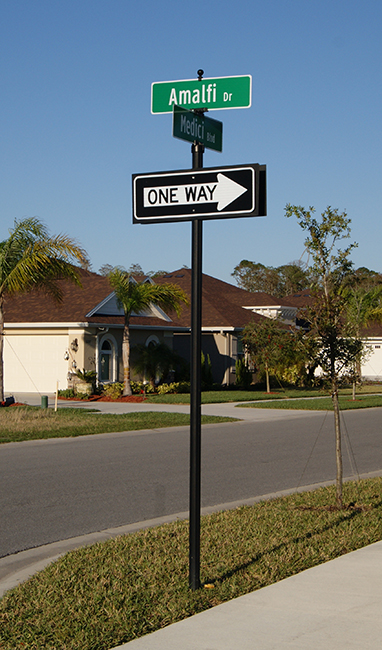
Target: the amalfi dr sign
pixel 212 94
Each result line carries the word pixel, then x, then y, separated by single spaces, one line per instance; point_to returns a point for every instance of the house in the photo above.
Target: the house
pixel 45 342
pixel 226 310
pixel 371 368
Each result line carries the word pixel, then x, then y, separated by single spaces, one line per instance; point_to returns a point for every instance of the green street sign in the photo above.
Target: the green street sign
pixel 215 94
pixel 189 126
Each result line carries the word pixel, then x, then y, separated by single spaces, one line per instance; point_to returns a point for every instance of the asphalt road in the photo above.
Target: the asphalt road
pixel 57 489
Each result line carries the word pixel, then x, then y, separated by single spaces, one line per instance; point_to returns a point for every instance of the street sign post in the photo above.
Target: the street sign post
pixel 209 193
pixel 195 195
pixel 192 127
pixel 214 94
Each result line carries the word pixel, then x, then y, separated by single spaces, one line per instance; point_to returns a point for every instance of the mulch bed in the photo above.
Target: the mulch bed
pixel 128 398
pixel 98 398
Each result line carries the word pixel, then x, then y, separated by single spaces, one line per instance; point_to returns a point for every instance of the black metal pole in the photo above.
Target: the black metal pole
pixel 195 397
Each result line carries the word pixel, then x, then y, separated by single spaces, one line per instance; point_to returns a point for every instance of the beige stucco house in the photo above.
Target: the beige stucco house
pixel 45 342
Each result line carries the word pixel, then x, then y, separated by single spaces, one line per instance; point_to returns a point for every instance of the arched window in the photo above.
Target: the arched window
pixel 152 340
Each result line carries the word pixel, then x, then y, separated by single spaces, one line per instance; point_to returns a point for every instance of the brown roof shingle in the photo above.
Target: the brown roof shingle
pixel 222 303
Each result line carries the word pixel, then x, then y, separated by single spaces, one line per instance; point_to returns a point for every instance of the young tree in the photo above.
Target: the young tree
pixel 138 297
pixel 270 347
pixel 31 258
pixel 332 269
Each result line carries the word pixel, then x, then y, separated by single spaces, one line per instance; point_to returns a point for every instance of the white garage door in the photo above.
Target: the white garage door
pixel 34 363
pixel 372 367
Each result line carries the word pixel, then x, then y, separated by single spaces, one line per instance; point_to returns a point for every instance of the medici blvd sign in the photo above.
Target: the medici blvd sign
pixel 213 94
pixel 210 193
pixel 189 126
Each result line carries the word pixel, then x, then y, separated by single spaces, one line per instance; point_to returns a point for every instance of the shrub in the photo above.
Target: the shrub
pixel 88 376
pixel 174 387
pixel 69 392
pixel 206 372
pixel 243 374
pixel 138 387
pixel 114 390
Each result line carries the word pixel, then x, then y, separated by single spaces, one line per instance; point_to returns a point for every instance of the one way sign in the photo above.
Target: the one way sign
pixel 200 194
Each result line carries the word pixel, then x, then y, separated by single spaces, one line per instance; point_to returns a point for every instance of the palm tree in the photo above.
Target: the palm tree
pixel 154 361
pixel 30 258
pixel 138 297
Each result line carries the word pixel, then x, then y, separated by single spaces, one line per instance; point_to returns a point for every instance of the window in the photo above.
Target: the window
pixel 152 340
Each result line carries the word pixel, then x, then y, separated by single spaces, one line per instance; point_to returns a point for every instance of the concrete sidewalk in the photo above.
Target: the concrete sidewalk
pixel 334 606
pixel 225 409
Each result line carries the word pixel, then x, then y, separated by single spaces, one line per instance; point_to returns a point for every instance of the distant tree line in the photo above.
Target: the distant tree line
pixel 134 269
pixel 289 279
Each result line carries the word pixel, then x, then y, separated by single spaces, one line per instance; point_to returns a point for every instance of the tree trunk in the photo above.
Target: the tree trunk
pixel 267 378
pixel 126 359
pixel 152 382
pixel 337 427
pixel 1 350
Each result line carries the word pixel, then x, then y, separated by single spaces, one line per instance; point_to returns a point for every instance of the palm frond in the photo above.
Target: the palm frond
pixel 30 258
pixel 167 296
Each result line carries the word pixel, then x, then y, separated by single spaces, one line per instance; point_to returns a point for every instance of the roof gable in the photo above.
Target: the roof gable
pixel 109 307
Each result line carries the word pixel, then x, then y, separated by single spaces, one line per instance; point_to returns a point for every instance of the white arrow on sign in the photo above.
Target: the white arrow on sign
pixel 223 192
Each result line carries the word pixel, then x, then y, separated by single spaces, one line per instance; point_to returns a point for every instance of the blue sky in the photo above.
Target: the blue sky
pixel 76 122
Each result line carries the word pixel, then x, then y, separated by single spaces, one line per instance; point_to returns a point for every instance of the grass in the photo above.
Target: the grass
pixel 30 423
pixel 104 595
pixel 231 395
pixel 320 404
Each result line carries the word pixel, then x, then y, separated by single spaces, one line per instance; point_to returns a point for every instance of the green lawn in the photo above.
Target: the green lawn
pixel 319 404
pixel 30 423
pixel 231 395
pixel 104 595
